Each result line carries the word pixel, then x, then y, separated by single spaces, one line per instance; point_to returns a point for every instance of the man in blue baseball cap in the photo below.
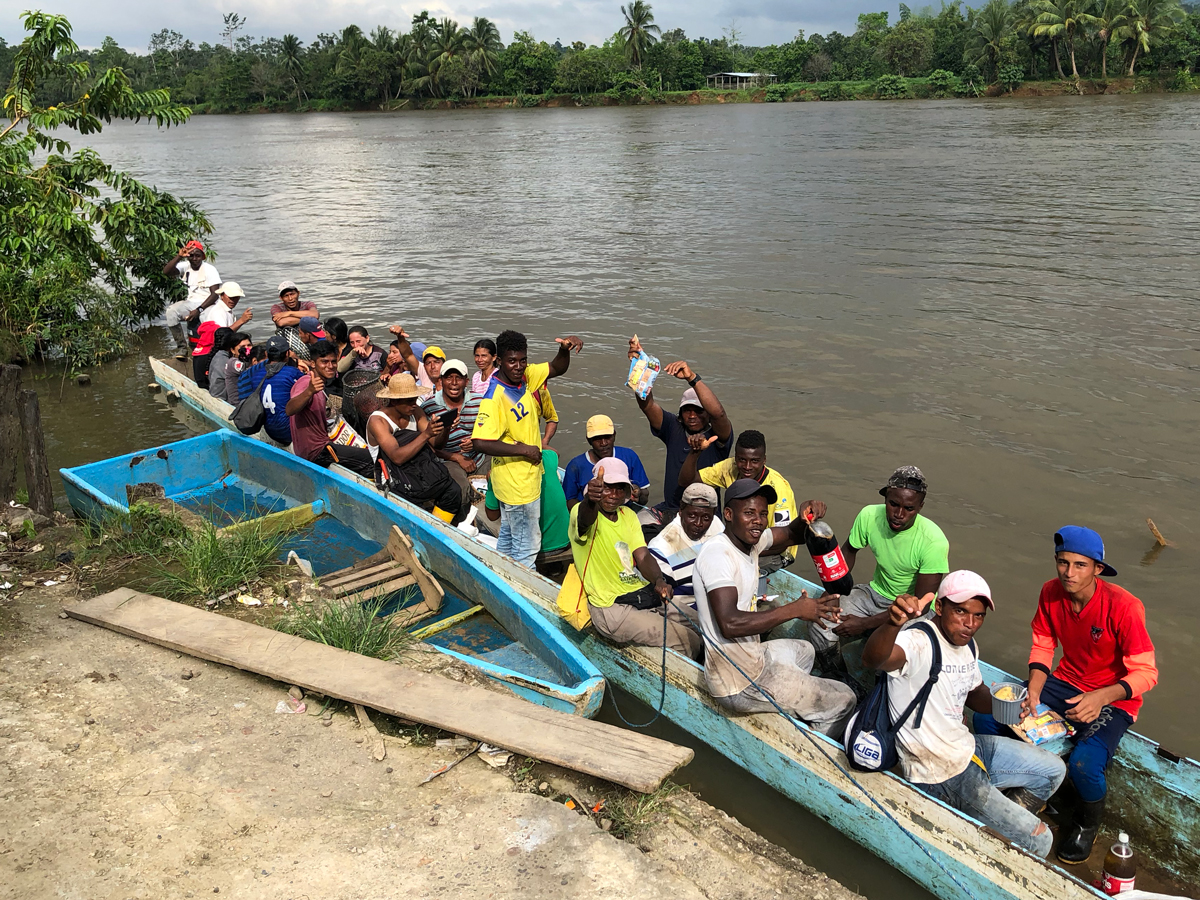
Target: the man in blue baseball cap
pixel 1106 667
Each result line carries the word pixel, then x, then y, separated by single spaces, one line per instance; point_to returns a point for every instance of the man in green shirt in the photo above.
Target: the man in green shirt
pixel 912 556
pixel 626 591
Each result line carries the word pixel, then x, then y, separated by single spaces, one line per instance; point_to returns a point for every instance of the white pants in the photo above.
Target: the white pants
pixel 178 312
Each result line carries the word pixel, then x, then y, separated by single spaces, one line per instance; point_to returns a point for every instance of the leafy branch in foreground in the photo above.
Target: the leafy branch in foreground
pixel 81 243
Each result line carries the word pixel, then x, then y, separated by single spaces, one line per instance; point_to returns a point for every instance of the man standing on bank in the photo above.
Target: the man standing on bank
pixel 700 412
pixel 1106 667
pixel 739 666
pixel 912 556
pixel 507 429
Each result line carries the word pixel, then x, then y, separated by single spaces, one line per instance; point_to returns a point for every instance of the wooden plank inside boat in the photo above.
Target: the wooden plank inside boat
pixel 636 761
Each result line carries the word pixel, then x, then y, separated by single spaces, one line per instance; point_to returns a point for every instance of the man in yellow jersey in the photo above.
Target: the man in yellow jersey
pixel 508 430
pixel 749 461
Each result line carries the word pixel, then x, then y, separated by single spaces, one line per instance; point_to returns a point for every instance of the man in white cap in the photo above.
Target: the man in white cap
pixel 937 751
pixel 626 591
pixel 602 436
pixel 218 315
pixel 700 412
pixel 290 309
pixel 677 546
pixel 458 410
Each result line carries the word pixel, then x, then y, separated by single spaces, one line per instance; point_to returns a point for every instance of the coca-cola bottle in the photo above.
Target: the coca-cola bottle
pixel 1118 874
pixel 827 555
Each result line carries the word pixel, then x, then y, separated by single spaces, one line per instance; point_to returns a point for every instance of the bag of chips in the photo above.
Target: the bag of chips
pixel 643 369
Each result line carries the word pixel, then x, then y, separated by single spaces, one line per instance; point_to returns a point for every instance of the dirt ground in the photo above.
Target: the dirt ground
pixel 122 778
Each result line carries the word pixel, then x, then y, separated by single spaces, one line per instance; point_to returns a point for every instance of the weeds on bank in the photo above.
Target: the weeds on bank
pixel 207 562
pixel 632 814
pixel 356 627
pixel 145 530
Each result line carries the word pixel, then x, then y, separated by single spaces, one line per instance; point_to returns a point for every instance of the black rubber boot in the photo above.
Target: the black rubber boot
pixel 833 666
pixel 1026 799
pixel 1076 844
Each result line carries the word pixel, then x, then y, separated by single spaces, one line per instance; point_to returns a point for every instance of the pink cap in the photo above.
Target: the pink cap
pixel 615 470
pixel 690 398
pixel 964 585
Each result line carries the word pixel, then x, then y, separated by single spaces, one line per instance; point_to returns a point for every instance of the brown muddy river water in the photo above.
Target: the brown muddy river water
pixel 1003 293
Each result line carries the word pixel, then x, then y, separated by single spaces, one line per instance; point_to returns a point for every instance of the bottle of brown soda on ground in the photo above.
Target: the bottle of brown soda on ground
pixel 827 556
pixel 1118 873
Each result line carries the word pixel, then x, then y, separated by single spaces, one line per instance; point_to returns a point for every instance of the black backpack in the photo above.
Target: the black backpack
pixel 249 416
pixel 421 480
pixel 870 740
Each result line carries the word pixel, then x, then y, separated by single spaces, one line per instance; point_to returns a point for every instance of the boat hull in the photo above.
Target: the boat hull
pixel 193 465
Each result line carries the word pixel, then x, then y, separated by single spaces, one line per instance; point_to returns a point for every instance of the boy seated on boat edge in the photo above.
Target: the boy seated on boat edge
pixel 627 594
pixel 740 668
pixel 940 755
pixel 1107 666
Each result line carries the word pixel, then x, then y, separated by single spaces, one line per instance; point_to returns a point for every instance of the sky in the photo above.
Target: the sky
pixel 131 22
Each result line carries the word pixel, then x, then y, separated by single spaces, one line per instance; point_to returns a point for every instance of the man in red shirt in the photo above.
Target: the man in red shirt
pixel 1107 665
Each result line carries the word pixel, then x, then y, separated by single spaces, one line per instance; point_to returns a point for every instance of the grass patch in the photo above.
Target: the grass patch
pixel 207 562
pixel 145 530
pixel 632 814
pixel 356 627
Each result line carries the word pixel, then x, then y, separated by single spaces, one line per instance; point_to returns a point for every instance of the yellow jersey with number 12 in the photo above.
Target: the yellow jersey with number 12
pixel 510 414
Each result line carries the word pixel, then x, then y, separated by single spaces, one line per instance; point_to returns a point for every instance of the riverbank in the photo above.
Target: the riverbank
pixel 889 87
pixel 134 771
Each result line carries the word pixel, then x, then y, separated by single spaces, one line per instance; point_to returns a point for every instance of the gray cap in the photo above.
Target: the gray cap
pixel 699 495
pixel 748 487
pixel 908 478
pixel 288 286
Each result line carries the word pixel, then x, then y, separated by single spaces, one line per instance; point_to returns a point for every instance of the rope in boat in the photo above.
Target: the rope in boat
pixel 804 731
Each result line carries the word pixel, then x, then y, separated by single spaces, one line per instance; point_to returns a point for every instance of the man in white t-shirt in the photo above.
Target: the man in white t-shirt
pixel 739 667
pixel 202 280
pixel 963 770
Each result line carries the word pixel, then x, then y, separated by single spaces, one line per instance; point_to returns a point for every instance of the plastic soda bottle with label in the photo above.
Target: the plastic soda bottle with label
pixel 827 555
pixel 1118 867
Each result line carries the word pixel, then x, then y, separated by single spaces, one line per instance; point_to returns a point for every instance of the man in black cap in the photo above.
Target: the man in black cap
pixel 739 667
pixel 912 556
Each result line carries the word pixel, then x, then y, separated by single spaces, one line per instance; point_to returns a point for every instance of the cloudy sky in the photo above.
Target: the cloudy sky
pixel 132 21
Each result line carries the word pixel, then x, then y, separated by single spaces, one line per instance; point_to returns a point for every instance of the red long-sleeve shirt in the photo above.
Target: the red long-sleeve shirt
pixel 1105 644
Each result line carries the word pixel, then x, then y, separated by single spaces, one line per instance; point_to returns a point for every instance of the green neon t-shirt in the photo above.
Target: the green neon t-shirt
pixel 900 556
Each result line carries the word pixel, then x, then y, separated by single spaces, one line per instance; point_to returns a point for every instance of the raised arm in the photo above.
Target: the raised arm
pixel 172 266
pixel 406 351
pixel 689 472
pixel 562 360
pixel 793 533
pixel 721 425
pixel 881 651
pixel 589 506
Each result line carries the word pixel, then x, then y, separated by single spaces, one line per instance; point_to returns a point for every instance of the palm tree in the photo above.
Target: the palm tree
pixel 351 42
pixel 1148 21
pixel 1063 19
pixel 1111 16
pixel 482 41
pixel 639 31
pixel 448 41
pixel 990 25
pixel 290 51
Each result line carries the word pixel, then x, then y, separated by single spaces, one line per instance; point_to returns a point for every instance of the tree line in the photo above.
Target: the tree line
pixel 1000 41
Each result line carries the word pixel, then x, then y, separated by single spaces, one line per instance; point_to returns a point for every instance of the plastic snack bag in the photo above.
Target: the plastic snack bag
pixel 643 370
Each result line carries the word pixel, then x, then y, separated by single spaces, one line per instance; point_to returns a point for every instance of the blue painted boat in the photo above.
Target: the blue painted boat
pixel 1154 794
pixel 482 620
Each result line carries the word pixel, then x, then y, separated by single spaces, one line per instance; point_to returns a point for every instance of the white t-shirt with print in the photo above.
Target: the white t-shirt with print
pixel 942 747
pixel 721 564
pixel 198 281
pixel 219 313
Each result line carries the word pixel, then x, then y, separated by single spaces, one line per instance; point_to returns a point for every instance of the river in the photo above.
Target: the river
pixel 1003 293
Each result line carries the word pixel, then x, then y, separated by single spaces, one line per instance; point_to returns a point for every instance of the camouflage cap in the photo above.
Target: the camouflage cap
pixel 908 478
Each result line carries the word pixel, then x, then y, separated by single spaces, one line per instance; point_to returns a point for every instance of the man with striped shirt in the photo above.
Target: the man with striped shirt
pixel 460 456
pixel 677 545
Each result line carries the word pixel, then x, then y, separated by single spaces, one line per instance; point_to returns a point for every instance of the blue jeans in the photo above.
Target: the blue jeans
pixel 521 531
pixel 1095 743
pixel 1010 764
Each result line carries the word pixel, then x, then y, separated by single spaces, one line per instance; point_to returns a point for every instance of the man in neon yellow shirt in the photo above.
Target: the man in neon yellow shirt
pixel 507 429
pixel 626 590
pixel 912 556
pixel 749 461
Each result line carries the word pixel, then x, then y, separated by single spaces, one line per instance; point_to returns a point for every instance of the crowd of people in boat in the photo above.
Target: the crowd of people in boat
pixel 691 572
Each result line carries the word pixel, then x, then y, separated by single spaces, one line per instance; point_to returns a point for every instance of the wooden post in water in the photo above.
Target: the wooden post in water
pixel 37 469
pixel 10 431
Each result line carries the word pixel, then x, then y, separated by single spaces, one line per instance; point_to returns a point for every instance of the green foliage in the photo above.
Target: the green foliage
pixel 1181 82
pixel 207 562
pixel 891 87
pixel 777 93
pixel 633 813
pixel 639 31
pixel 907 48
pixel 942 83
pixel 145 530
pixel 81 243
pixel 835 90
pixel 22 496
pixel 27 530
pixel 1011 77
pixel 356 627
